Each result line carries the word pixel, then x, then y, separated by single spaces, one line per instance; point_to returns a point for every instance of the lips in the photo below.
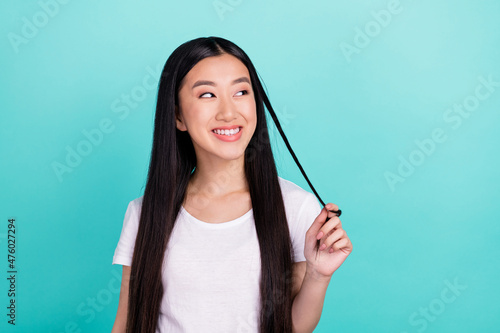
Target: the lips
pixel 228 138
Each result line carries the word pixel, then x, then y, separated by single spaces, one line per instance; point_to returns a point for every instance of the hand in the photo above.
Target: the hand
pixel 338 245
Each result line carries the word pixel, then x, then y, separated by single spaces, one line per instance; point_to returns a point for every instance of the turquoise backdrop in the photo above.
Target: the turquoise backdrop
pixel 391 106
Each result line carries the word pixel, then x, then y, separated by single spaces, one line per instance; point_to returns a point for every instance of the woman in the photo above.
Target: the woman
pixel 219 242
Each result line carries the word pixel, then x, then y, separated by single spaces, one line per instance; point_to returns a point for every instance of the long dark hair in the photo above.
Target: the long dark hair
pixel 172 162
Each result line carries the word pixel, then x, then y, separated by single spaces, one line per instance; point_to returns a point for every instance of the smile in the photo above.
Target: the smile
pixel 228 135
pixel 226 132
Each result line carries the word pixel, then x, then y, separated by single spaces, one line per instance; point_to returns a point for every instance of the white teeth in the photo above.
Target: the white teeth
pixel 227 132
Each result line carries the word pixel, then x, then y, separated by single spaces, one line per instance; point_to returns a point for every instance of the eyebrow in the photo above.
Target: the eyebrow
pixel 210 83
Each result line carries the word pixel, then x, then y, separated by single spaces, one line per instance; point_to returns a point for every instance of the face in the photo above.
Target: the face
pixel 217 94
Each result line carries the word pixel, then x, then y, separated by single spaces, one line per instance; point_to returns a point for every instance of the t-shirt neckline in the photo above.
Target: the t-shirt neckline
pixel 220 225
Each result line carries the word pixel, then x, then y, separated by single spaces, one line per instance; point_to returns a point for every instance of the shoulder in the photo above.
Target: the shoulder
pixel 293 193
pixel 296 199
pixel 301 209
pixel 133 211
pixel 137 203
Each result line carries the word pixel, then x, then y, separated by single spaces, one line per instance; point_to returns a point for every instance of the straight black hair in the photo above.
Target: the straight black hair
pixel 171 164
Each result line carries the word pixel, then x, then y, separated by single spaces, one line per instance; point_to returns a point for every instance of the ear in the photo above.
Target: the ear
pixel 179 121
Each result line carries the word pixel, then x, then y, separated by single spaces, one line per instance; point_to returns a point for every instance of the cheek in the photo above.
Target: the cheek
pixel 192 114
pixel 198 120
pixel 251 113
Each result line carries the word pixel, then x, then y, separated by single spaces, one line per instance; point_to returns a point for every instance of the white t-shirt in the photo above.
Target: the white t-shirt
pixel 211 271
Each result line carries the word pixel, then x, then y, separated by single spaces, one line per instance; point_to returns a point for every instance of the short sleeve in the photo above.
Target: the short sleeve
pixel 309 210
pixel 125 248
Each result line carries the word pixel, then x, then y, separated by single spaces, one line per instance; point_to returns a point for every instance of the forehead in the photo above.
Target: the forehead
pixel 221 68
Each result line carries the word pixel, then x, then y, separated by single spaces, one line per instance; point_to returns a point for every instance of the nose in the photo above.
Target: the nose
pixel 226 109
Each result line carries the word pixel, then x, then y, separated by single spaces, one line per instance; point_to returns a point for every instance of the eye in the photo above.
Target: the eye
pixel 245 92
pixel 205 94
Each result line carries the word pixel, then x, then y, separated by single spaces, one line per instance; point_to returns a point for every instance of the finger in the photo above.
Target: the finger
pixel 332 213
pixel 331 206
pixel 328 227
pixel 340 244
pixel 334 209
pixel 327 241
pixel 335 236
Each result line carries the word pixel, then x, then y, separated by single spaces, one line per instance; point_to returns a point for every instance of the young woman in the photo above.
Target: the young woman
pixel 219 242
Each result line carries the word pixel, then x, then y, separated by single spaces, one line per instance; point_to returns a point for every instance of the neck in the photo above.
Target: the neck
pixel 218 178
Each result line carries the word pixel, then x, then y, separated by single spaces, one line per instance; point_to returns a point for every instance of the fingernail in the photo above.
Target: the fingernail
pixel 322 247
pixel 318 236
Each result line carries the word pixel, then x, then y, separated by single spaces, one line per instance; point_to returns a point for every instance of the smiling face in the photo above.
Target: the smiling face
pixel 217 94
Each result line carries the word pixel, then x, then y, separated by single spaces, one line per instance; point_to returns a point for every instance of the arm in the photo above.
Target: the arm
pixel 121 315
pixel 308 303
pixel 320 265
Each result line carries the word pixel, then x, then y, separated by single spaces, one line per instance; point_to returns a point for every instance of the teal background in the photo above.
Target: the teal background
pixel 351 119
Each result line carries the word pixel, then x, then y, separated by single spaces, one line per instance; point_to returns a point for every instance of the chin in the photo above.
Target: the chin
pixel 232 157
